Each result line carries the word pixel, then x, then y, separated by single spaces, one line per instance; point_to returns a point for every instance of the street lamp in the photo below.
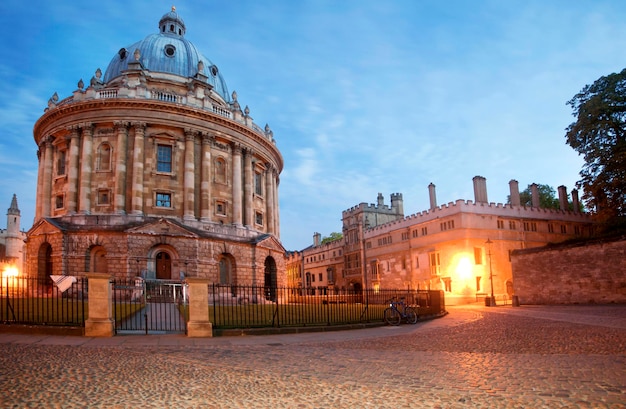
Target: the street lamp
pixel 492 300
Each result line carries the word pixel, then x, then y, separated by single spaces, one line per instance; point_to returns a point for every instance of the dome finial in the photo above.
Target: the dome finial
pixel 173 8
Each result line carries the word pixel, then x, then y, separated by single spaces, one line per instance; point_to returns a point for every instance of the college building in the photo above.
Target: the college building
pixel 463 248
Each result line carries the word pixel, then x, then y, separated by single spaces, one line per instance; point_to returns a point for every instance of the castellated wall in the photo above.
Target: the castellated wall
pixel 574 274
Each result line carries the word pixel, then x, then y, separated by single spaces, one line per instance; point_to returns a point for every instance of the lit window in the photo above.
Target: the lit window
pixel 478 255
pixel 163 200
pixel 164 158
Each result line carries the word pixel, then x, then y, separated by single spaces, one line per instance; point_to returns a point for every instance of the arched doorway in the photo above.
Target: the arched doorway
pixel 96 261
pixel 271 279
pixel 44 266
pixel 163 266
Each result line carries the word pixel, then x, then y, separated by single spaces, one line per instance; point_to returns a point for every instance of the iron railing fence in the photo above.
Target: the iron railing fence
pixel 38 301
pixel 244 307
pixel 149 306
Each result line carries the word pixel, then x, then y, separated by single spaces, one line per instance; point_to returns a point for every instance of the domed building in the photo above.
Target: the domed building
pixel 154 170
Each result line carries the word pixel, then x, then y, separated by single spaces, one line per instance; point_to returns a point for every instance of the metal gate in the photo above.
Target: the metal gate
pixel 149 306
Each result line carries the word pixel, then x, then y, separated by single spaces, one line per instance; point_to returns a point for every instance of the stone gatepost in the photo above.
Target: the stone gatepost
pixel 199 324
pixel 100 322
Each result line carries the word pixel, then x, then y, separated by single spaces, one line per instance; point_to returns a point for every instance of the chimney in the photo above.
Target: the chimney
pixel 433 196
pixel 575 200
pixel 562 197
pixel 317 238
pixel 534 195
pixel 480 189
pixel 514 189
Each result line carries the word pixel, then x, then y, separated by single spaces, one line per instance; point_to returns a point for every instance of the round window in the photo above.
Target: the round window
pixel 214 70
pixel 170 50
pixel 122 52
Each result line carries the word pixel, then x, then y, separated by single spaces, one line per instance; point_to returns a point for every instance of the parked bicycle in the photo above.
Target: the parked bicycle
pixel 397 311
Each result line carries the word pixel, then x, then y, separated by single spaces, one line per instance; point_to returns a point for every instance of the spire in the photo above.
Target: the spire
pixel 13 210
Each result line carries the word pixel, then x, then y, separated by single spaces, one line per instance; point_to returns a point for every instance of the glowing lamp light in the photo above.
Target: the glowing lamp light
pixel 10 271
pixel 464 268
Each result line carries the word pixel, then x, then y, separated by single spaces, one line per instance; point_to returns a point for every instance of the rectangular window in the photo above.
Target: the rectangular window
pixel 59 201
pixel 258 184
pixel 511 225
pixel 61 163
pixel 424 231
pixel 500 224
pixel 163 200
pixel 405 236
pixel 414 233
pixel 478 283
pixel 164 158
pixel 258 218
pixel 435 264
pixel 104 197
pixel 550 228
pixel 320 277
pixel 447 282
pixel 563 229
pixel 478 256
pixel 220 208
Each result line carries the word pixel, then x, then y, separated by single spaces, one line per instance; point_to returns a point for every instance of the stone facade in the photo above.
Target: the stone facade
pixel 12 242
pixel 571 274
pixel 461 247
pixel 155 170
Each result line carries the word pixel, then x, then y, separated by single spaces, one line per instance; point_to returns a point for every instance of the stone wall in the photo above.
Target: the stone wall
pixel 571 274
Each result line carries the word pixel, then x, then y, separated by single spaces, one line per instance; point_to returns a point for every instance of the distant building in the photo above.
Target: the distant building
pixel 12 241
pixel 460 248
pixel 152 168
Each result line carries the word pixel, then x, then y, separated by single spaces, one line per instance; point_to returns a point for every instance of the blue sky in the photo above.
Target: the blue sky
pixel 363 96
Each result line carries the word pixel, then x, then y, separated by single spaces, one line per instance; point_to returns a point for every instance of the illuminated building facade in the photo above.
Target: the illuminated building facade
pixel 12 242
pixel 460 248
pixel 154 169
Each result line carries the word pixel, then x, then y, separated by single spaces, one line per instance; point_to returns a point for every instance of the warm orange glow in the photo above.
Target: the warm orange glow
pixel 464 268
pixel 10 271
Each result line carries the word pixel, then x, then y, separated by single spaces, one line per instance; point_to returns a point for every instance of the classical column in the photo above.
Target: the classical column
pixel 46 192
pixel 189 176
pixel 205 181
pixel 237 185
pixel 138 159
pixel 40 173
pixel 248 190
pixel 276 206
pixel 269 199
pixel 86 167
pixel 72 185
pixel 120 167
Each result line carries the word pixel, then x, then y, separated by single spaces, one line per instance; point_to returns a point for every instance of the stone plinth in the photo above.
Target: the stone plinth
pixel 100 323
pixel 199 324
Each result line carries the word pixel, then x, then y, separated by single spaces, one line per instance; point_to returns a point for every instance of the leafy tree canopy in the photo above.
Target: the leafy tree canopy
pixel 332 237
pixel 547 197
pixel 599 135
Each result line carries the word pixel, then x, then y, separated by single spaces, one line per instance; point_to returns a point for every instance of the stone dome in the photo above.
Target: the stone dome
pixel 168 51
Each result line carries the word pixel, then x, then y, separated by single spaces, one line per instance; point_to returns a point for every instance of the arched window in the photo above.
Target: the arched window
pixel 104 157
pixel 225 271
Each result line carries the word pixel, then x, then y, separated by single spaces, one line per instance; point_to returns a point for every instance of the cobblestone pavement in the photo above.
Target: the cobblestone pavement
pixel 475 357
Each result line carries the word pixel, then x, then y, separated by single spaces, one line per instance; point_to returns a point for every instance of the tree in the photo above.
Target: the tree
pixel 599 134
pixel 547 197
pixel 332 237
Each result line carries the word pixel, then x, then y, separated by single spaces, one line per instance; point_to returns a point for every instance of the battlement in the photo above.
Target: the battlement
pixel 505 211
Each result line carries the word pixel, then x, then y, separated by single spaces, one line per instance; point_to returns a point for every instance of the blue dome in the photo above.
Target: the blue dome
pixel 168 52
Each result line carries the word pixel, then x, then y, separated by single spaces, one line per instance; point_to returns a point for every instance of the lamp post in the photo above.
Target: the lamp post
pixel 492 299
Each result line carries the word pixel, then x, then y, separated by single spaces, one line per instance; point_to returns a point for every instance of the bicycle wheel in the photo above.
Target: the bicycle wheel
pixel 411 315
pixel 392 317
